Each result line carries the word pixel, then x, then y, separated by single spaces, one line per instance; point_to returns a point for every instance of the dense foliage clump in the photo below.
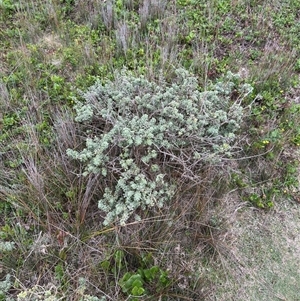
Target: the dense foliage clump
pixel 140 133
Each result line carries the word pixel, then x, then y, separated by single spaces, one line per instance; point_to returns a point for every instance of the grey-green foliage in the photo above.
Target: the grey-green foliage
pixel 6 246
pixel 36 293
pixel 92 298
pixel 138 132
pixel 5 285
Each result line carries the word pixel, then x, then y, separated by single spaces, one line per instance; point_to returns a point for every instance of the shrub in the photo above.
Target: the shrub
pixel 141 135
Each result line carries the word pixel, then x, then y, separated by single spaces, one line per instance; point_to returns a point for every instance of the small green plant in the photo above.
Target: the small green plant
pixel 115 264
pixel 290 176
pixel 297 65
pixel 10 120
pixel 139 283
pixel 296 139
pixel 60 273
pixel 132 284
pixel 261 201
pixel 238 181
pixel 7 6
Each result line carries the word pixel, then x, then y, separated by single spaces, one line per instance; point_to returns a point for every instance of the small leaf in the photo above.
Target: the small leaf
pixel 137 291
pixel 105 265
pixel 137 283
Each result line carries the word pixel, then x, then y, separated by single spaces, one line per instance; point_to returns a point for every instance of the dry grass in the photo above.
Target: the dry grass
pixel 262 261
